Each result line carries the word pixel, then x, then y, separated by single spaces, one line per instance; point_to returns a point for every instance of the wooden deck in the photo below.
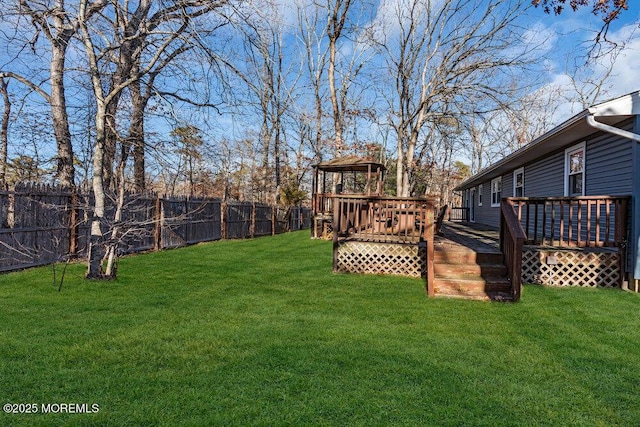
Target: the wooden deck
pixel 475 237
pixel 381 235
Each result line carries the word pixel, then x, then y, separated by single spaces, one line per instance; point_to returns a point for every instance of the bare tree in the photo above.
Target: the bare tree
pixel 161 38
pixel 440 54
pixel 344 27
pixel 337 11
pixel 4 130
pixel 315 59
pixel 266 81
pixel 58 25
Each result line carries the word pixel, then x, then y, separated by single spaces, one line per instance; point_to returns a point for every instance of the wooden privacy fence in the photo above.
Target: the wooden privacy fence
pixel 35 226
pixel 41 224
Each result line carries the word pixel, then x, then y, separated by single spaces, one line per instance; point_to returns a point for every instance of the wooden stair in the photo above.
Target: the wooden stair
pixel 464 273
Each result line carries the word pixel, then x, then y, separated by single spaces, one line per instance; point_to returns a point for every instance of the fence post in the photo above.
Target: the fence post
pixel 157 234
pixel 273 219
pixel 252 227
pixel 73 231
pixel 223 220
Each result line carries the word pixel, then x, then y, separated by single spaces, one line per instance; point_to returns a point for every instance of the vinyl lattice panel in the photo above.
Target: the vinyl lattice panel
pixel 574 268
pixel 380 258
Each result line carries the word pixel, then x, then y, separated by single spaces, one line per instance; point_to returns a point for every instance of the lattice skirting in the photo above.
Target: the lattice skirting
pixel 573 268
pixel 380 258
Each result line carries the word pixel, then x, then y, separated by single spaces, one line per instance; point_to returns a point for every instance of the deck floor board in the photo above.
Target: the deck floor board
pixel 468 236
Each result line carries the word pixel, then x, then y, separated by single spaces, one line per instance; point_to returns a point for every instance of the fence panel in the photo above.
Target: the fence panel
pixel 138 223
pixel 205 221
pixel 263 220
pixel 300 218
pixel 238 220
pixel 42 224
pixel 35 226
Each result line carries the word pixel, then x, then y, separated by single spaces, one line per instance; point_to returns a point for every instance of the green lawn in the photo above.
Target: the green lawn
pixel 261 332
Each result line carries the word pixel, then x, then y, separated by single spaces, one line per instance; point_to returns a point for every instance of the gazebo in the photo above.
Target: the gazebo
pixel 350 175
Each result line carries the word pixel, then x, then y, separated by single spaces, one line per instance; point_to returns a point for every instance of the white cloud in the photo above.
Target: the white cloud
pixel 540 37
pixel 624 75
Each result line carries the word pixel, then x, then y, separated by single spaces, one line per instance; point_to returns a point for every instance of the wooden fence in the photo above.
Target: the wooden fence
pixel 41 224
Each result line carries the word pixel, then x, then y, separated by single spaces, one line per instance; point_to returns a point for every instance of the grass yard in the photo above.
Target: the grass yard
pixel 261 332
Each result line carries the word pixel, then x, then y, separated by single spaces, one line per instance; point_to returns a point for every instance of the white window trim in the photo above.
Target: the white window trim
pixel 582 146
pixel 480 195
pixel 516 172
pixel 497 204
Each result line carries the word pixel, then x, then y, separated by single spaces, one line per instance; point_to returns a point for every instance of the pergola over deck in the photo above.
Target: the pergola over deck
pixel 350 175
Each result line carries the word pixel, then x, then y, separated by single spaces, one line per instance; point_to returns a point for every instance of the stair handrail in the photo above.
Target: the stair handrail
pixel 512 237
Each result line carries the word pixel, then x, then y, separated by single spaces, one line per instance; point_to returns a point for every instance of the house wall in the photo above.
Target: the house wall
pixel 609 171
pixel 634 244
pixel 609 165
pixel 545 178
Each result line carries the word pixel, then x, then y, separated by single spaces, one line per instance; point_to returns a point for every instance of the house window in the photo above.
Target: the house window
pixel 480 195
pixel 496 191
pixel 518 183
pixel 574 170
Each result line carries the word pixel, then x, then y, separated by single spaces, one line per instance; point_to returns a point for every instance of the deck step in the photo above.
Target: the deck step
pixel 472 285
pixel 467 257
pixel 461 273
pixel 500 296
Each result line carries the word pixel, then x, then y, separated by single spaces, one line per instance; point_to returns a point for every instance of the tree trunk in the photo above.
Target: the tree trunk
pixel 4 132
pixel 336 23
pixel 98 222
pixel 111 142
pixel 65 169
pixel 136 136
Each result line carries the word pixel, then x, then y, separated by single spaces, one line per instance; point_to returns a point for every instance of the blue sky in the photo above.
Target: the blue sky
pixel 566 39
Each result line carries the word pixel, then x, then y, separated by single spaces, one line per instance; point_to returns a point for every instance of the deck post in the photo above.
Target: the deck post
pixel 157 231
pixel 620 237
pixel 336 226
pixel 429 236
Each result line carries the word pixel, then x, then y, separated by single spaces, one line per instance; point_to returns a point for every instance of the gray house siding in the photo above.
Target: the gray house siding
pixel 485 214
pixel 609 165
pixel 634 244
pixel 545 178
pixel 608 171
pixel 507 185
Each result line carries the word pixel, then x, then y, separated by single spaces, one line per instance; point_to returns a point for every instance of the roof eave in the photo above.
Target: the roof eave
pixel 483 174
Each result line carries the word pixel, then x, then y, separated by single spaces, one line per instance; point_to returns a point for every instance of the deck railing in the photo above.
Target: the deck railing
pixel 321 203
pixel 592 221
pixel 386 220
pixel 382 219
pixel 457 213
pixel 512 237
